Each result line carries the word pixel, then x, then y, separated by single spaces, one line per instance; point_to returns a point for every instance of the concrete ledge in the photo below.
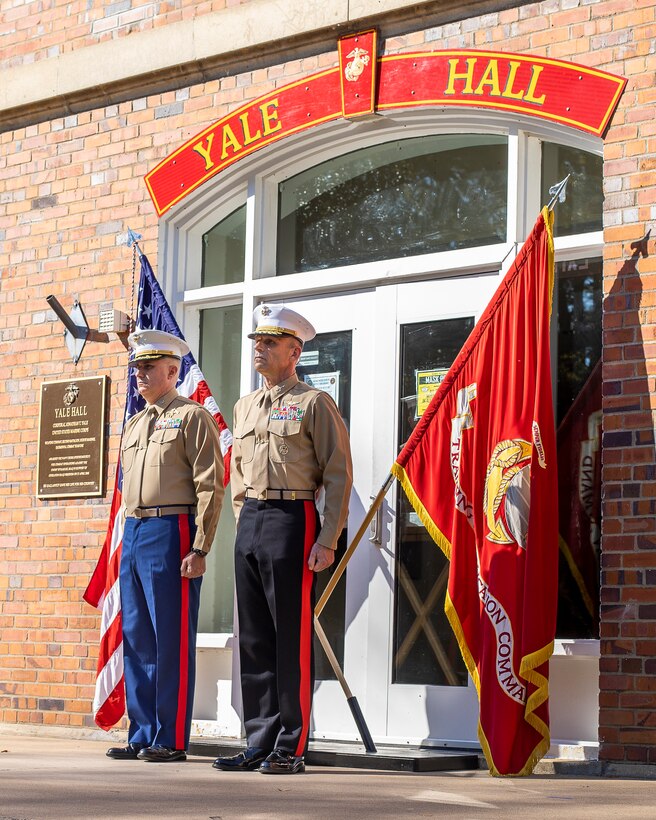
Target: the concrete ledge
pixel 596 768
pixel 64 732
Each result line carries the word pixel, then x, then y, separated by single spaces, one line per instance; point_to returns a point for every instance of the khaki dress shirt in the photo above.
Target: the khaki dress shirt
pixel 292 437
pixel 171 455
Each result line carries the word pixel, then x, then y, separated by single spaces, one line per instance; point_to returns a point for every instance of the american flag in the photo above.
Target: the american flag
pixel 103 592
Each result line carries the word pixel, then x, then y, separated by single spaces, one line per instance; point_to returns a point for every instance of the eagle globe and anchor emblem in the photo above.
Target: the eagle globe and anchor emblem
pixel 359 60
pixel 507 497
pixel 70 394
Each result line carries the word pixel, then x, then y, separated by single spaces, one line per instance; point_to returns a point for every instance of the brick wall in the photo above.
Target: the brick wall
pixel 70 189
pixel 628 577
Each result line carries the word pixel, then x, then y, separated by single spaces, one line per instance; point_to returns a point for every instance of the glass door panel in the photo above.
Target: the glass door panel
pixel 221 330
pixel 431 698
pixel 340 360
pixel 326 364
pixel 425 648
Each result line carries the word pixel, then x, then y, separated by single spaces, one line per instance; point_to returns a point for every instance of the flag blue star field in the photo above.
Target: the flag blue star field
pixel 103 592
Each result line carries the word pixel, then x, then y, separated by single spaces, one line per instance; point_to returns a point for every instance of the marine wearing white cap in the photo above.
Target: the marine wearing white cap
pixel 171 497
pixel 289 440
pixel 153 344
pixel 277 320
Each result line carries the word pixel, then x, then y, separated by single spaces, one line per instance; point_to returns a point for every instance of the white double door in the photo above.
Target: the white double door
pixel 386 621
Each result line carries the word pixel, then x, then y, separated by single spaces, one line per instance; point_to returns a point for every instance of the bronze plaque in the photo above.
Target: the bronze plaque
pixel 71 438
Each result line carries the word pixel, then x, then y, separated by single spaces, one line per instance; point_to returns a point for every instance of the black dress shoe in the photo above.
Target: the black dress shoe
pixel 282 762
pixel 128 752
pixel 161 754
pixel 245 761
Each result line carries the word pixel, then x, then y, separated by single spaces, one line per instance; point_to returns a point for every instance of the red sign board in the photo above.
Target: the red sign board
pixel 357 73
pixel 570 94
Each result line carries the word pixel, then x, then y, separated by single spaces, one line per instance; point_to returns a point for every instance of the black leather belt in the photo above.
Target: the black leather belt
pixel 281 495
pixel 158 512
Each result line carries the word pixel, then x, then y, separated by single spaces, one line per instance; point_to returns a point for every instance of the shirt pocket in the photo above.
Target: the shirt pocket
pixel 244 436
pixel 128 452
pixel 284 440
pixel 162 448
pixel 127 456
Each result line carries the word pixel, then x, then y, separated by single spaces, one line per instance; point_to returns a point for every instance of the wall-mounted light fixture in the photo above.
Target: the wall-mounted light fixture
pixel 111 320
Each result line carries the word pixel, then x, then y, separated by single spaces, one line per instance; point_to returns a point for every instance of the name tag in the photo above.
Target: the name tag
pixel 287 412
pixel 167 424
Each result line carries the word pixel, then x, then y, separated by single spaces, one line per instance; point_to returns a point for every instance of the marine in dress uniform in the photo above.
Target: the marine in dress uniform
pixel 172 494
pixel 289 440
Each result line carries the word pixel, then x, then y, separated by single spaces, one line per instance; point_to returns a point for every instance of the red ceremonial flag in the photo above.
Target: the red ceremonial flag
pixel 480 470
pixel 103 592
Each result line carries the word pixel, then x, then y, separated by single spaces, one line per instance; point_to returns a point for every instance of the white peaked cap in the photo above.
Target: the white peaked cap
pixel 153 344
pixel 276 320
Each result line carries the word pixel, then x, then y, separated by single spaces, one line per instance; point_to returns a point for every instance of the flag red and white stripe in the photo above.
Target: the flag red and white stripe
pixel 104 593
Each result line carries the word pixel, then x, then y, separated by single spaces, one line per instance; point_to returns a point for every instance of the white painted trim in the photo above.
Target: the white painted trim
pixel 577 648
pixel 579 246
pixel 215 295
pixel 215 640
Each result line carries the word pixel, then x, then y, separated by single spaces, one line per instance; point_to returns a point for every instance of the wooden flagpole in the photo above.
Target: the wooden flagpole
pixel 352 701
pixel 339 569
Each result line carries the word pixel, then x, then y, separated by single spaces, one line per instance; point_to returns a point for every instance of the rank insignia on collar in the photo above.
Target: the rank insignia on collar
pixel 167 424
pixel 288 412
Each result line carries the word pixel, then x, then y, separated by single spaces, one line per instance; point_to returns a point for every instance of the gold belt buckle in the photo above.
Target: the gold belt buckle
pixel 293 495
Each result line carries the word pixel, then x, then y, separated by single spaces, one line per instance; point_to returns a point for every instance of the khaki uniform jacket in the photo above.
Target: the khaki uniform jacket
pixel 292 437
pixel 171 455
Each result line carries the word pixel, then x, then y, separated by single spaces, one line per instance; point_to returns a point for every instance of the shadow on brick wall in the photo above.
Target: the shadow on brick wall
pixel 628 565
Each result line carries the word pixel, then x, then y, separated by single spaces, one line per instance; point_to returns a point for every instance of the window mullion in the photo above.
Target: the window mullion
pixel 516 192
pixel 253 231
pixel 532 183
pixel 265 226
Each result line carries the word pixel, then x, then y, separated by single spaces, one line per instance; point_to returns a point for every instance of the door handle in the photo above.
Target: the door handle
pixel 376 525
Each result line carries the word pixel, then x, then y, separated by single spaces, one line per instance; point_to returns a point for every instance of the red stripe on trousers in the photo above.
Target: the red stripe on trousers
pixel 181 717
pixel 305 648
